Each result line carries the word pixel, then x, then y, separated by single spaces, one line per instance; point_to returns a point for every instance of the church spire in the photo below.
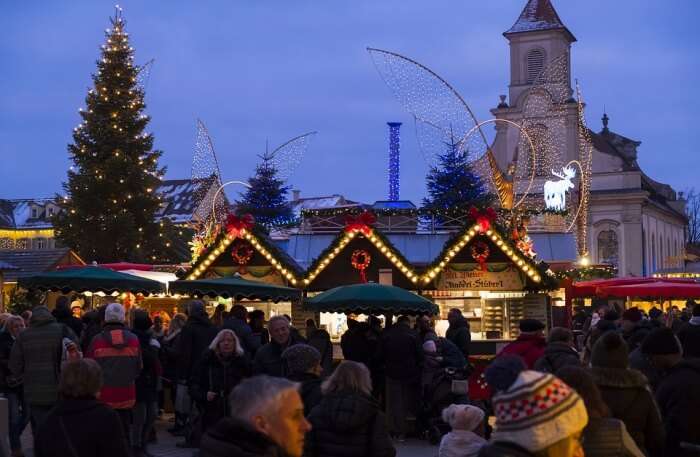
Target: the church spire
pixel 539 15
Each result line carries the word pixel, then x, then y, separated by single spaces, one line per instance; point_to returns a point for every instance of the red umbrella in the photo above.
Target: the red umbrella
pixel 590 288
pixel 656 289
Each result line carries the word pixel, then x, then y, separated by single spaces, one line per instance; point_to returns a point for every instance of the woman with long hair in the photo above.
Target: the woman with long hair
pixel 348 421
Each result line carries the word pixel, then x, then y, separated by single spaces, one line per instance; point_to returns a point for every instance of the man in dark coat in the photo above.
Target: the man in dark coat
pixel 195 338
pixel 238 323
pixel 267 421
pixel 321 340
pixel 268 359
pixel 559 351
pixel 64 315
pixel 458 332
pixel 689 335
pixel 402 353
pixel 678 394
pixel 356 344
pixel 35 358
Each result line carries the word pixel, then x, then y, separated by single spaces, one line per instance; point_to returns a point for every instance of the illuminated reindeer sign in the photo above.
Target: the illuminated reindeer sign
pixel 555 191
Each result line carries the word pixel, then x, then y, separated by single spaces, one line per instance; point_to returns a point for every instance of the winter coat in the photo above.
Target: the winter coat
pixel 557 355
pixel 460 335
pixel 268 359
pixel 194 339
pixel 608 437
pixel 321 340
pixel 637 335
pixel 357 346
pixel 402 353
pixel 529 347
pixel 627 394
pixel 461 443
pixel 36 357
pixel 244 333
pixel 310 390
pixel 64 316
pixel 147 380
pixel 504 449
pixel 169 355
pixel 689 336
pixel 234 438
pixel 7 382
pixel 118 352
pixel 214 374
pixel 678 396
pixel 452 357
pixel 88 425
pixel 348 424
pixel 640 362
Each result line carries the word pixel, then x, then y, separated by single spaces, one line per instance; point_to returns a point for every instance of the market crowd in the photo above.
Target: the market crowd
pixel 615 384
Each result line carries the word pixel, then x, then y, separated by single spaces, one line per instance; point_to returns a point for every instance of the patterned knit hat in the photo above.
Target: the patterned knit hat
pixel 537 411
pixel 301 358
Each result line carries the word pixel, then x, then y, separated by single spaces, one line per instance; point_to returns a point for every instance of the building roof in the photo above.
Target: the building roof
pixel 181 198
pixel 19 214
pixel 537 16
pixel 394 204
pixel 324 202
pixel 30 262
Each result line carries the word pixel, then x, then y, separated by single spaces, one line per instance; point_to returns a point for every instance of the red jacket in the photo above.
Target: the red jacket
pixel 118 353
pixel 528 347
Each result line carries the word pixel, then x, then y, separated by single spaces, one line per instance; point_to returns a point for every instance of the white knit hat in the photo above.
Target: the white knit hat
pixel 115 313
pixel 537 410
pixel 463 417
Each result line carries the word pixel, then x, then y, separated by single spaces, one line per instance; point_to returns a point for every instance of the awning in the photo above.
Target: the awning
pixel 91 279
pixel 655 289
pixel 590 288
pixel 371 298
pixel 234 288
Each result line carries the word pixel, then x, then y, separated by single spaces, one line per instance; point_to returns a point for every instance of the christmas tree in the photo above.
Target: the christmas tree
pixel 108 212
pixel 266 198
pixel 452 185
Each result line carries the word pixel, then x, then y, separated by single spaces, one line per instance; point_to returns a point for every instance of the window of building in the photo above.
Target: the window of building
pixel 22 243
pixel 39 243
pixel 608 248
pixel 50 211
pixel 35 212
pixel 535 64
pixel 7 243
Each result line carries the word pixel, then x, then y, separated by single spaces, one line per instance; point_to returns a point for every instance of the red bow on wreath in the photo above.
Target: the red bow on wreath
pixel 360 223
pixel 483 218
pixel 235 225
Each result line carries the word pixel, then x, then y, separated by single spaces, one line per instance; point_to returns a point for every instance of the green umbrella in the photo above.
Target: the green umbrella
pixel 371 298
pixel 234 287
pixel 91 279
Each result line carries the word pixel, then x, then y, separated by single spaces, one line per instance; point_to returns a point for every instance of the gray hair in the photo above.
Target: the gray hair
pixel 278 318
pixel 8 322
pixel 259 395
pixel 214 346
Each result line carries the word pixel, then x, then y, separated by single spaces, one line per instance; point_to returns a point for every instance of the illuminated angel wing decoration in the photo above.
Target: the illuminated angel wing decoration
pixel 439 111
pixel 287 157
pixel 206 178
pixel 143 74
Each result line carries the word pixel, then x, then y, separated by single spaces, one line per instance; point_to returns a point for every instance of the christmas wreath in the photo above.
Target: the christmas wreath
pixel 360 260
pixel 480 252
pixel 242 253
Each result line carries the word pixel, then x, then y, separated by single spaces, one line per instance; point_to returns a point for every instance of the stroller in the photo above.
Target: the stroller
pixel 449 385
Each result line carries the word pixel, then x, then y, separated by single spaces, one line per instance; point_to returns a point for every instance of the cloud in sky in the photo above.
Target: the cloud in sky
pixel 269 70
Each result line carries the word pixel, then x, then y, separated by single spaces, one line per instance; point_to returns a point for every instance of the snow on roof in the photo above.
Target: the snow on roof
pixel 536 16
pixel 330 201
pixel 180 198
pixel 26 213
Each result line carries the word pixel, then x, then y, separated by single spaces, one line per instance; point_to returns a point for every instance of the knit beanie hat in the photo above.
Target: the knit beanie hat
pixel 610 351
pixel 114 313
pixel 301 358
pixel 661 341
pixel 463 417
pixel 536 411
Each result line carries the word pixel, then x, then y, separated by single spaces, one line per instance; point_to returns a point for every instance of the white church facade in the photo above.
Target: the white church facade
pixel 634 222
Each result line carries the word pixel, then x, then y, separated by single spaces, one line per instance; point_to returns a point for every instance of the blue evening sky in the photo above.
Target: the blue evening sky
pixel 271 69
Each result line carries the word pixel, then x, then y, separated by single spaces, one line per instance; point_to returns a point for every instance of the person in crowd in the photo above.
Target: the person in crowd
pixel 559 352
pixel 656 317
pixel 466 438
pixel 93 321
pixel 578 320
pixel 118 352
pixel 295 331
pixel 63 314
pixel 268 359
pixel 553 429
pixel 348 421
pixel 267 420
pixel 158 330
pixel 35 358
pixel 458 331
pixel 304 366
pixel 80 425
pixel 256 321
pixel 217 319
pixel 689 335
pixel 634 329
pixel 607 324
pixel 223 366
pixel 604 436
pixel 169 356
pixel 627 393
pixel 438 353
pixel 640 360
pixel 146 407
pixel 321 340
pixel 402 354
pixel 530 344
pixel 11 388
pixel 238 323
pixel 678 394
pixel 424 328
pixel 26 315
pixel 356 343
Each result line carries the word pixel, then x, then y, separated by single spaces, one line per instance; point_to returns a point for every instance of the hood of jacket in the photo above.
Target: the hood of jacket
pixel 559 348
pixel 619 377
pixel 234 438
pixel 41 316
pixel 347 411
pixel 116 334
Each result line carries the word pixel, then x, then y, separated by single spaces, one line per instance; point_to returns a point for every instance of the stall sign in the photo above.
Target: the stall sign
pixel 502 276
